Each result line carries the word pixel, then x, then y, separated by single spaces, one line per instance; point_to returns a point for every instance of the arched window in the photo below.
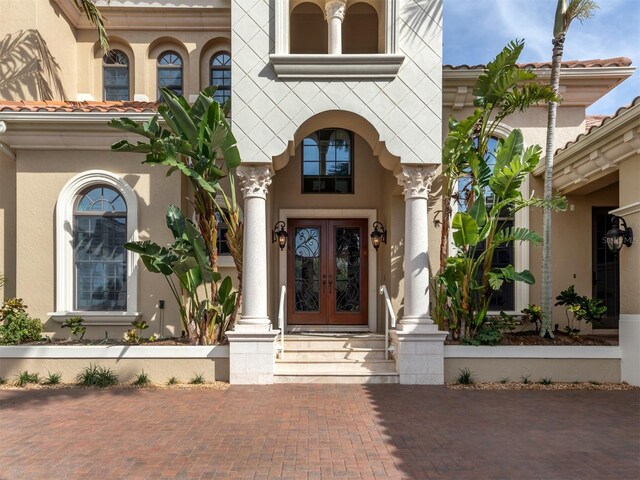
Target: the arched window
pixel 308 29
pixel 360 29
pixel 96 277
pixel 115 76
pixel 327 162
pixel 220 76
pixel 100 260
pixel 170 73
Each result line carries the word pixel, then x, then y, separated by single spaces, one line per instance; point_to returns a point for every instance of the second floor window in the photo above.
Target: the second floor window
pixel 115 76
pixel 170 73
pixel 220 76
pixel 327 162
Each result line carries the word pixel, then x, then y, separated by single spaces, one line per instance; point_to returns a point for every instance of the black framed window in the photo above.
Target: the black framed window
pixel 221 240
pixel 170 73
pixel 220 76
pixel 100 259
pixel 505 298
pixel 327 162
pixel 115 76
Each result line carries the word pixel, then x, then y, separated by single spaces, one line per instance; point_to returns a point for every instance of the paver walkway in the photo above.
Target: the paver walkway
pixel 319 431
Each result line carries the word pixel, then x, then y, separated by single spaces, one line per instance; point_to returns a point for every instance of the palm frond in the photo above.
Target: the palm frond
pixel 97 19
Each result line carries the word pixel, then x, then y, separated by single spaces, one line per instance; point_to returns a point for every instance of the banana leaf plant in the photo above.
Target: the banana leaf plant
pixel 196 141
pixel 188 273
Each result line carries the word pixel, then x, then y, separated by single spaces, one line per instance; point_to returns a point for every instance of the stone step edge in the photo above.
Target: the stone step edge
pixel 341 361
pixel 336 374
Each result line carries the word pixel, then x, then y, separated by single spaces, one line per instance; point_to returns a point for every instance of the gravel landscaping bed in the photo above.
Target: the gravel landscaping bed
pixel 540 386
pixel 152 386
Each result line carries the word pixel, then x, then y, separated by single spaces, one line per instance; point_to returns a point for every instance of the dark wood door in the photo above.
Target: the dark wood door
pixel 606 269
pixel 327 272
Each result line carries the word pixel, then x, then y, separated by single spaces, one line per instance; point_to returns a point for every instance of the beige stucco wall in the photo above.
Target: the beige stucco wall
pixel 40 178
pixel 159 370
pixel 7 225
pixel 44 17
pixel 602 370
pixel 629 193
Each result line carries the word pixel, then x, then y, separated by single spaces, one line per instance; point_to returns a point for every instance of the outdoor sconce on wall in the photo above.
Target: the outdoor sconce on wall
pixel 279 234
pixel 378 235
pixel 616 237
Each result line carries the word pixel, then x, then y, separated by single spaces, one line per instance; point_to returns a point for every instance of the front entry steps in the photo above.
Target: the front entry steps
pixel 334 358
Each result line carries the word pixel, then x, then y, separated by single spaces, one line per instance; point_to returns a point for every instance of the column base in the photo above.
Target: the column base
pixel 417 325
pixel 253 324
pixel 252 352
pixel 419 355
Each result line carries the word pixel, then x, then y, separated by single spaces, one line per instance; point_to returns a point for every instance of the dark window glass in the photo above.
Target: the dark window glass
pixel 503 299
pixel 100 232
pixel 221 243
pixel 327 162
pixel 170 73
pixel 115 76
pixel 220 76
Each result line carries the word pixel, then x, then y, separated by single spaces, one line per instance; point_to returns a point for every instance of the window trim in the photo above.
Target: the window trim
pixel 222 68
pixel 520 249
pixel 65 285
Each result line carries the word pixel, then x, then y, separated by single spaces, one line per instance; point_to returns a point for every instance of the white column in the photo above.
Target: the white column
pixel 416 181
pixel 254 181
pixel 334 11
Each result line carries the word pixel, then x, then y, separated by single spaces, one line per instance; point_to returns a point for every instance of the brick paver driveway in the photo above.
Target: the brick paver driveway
pixel 319 431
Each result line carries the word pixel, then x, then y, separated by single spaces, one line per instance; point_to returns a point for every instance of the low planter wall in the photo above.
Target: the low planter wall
pixel 559 363
pixel 159 362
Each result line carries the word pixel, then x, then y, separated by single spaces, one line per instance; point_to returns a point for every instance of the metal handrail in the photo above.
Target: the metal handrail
pixel 388 312
pixel 281 311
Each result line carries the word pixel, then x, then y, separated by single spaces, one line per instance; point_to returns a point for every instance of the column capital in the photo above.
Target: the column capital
pixel 335 9
pixel 416 180
pixel 254 179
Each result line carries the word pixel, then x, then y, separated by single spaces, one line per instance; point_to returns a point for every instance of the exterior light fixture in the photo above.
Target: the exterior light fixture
pixel 279 234
pixel 378 235
pixel 616 237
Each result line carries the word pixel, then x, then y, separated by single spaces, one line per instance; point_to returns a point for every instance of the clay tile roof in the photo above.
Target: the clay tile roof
pixel 594 63
pixel 71 106
pixel 598 121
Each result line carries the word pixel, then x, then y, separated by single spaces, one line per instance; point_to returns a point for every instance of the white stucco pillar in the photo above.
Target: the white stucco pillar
pixel 419 346
pixel 254 182
pixel 416 182
pixel 334 11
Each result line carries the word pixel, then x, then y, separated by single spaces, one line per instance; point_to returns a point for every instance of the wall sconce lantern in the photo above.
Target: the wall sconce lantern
pixel 279 234
pixel 616 237
pixel 378 235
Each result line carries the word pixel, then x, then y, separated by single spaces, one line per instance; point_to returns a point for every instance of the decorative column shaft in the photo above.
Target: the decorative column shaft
pixel 416 181
pixel 254 181
pixel 334 11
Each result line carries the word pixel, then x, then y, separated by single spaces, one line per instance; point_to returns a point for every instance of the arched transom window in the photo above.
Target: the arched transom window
pixel 115 76
pixel 170 73
pixel 327 162
pixel 100 259
pixel 220 76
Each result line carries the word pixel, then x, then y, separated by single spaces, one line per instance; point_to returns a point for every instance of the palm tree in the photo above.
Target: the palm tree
pixel 95 17
pixel 565 14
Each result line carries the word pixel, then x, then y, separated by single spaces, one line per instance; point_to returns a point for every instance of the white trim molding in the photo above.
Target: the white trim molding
pixel 115 351
pixel 375 65
pixel 64 250
pixel 532 351
pixel 371 215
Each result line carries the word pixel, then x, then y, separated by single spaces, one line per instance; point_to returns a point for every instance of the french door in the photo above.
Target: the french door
pixel 605 268
pixel 327 273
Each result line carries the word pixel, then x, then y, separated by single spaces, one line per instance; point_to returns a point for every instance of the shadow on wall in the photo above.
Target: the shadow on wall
pixel 27 68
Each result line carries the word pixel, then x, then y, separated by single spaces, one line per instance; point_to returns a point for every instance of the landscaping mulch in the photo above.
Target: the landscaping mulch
pixel 561 338
pixel 64 342
pixel 540 386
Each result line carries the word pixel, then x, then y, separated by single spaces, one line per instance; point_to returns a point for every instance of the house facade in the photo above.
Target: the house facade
pixel 339 109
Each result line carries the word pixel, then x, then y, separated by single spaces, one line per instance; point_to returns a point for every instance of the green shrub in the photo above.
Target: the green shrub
pixel 505 380
pixel 525 379
pixel 465 377
pixel 75 324
pixel 97 376
pixel 172 381
pixel 141 380
pixel 26 377
pixel 3 381
pixel 591 310
pixel 546 381
pixel 198 379
pixel 52 379
pixel 16 326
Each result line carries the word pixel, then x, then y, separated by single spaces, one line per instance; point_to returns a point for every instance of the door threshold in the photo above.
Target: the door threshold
pixel 327 328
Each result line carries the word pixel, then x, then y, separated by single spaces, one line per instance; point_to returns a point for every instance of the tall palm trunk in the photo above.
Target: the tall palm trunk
pixel 547 307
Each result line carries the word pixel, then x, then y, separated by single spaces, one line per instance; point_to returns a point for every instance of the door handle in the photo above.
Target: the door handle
pixel 324 283
pixel 330 283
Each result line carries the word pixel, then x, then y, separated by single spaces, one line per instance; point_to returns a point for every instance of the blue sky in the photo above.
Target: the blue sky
pixel 476 30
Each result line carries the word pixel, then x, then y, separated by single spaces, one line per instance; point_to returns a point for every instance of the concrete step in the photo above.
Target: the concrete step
pixel 338 378
pixel 286 367
pixel 332 342
pixel 296 353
